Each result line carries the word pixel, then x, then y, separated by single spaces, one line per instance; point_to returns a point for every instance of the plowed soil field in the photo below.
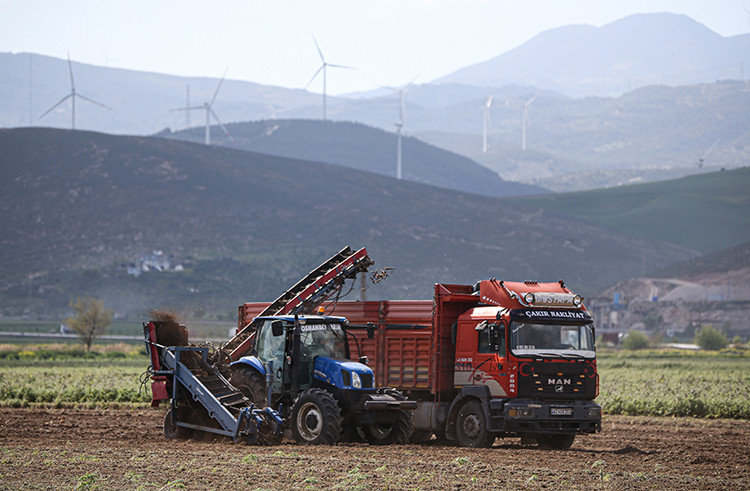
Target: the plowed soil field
pixel 125 449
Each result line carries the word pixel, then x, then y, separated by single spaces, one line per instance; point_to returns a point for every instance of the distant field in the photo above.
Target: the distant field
pixel 218 331
pixel 703 386
pixel 652 384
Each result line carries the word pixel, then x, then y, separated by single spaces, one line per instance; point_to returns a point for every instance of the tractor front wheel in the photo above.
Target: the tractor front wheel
pixel 316 418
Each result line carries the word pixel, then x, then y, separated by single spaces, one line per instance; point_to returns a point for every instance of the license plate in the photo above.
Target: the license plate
pixel 561 411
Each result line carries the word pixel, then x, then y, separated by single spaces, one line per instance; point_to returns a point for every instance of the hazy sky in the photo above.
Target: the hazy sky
pixel 390 42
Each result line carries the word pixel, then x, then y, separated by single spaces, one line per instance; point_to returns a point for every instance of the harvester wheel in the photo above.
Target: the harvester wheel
pixel 555 442
pixel 398 432
pixel 316 418
pixel 251 384
pixel 471 426
pixel 171 430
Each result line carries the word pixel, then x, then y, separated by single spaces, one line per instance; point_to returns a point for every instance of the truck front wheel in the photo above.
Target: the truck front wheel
pixel 555 442
pixel 471 426
pixel 316 418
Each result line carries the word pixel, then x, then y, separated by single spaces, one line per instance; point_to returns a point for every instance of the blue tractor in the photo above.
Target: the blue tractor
pixel 300 366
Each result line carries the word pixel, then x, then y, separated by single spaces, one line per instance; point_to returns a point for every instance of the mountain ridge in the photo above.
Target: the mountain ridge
pixel 76 205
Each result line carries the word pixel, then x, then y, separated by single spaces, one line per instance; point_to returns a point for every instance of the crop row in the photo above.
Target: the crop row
pixel 704 386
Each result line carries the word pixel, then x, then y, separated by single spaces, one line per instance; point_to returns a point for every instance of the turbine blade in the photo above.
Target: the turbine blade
pixel 316 74
pixel 318 48
pixel 53 107
pixel 92 101
pixel 341 66
pixel 531 100
pixel 187 108
pixel 70 69
pixel 218 87
pixel 213 113
pixel 489 102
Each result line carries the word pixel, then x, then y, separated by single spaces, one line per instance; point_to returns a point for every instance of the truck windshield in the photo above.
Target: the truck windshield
pixel 323 340
pixel 552 340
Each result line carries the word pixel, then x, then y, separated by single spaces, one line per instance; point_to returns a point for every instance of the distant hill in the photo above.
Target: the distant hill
pixel 639 50
pixel 140 102
pixel 361 147
pixel 706 212
pixel 77 209
pixel 682 104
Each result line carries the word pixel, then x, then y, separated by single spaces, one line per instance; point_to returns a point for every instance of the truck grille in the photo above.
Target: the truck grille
pixel 557 380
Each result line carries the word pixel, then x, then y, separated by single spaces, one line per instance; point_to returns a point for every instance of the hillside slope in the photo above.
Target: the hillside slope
pixel 75 206
pixel 639 50
pixel 706 212
pixel 361 147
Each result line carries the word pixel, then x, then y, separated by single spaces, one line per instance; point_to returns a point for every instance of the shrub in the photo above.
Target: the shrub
pixel 709 338
pixel 635 340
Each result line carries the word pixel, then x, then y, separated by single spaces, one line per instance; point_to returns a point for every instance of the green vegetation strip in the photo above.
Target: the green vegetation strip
pixel 665 384
pixel 65 376
pixel 647 383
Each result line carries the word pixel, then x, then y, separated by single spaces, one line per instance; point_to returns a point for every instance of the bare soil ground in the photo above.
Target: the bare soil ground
pixel 125 449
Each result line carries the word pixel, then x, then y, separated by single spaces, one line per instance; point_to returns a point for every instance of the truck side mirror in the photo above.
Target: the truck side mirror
pixel 277 328
pixel 495 336
pixel 370 331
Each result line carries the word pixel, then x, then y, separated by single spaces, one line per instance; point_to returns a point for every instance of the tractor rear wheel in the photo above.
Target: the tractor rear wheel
pixel 171 430
pixel 471 426
pixel 316 418
pixel 251 384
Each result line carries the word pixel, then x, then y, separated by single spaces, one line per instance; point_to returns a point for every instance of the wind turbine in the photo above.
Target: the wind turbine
pixel 487 123
pixel 400 124
pixel 72 96
pixel 708 152
pixel 208 106
pixel 525 120
pixel 324 69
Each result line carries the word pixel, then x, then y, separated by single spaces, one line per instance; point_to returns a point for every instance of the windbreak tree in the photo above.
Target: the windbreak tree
pixel 91 319
pixel 710 338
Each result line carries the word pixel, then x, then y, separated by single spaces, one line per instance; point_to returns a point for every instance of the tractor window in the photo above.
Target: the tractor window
pixel 323 340
pixel 268 346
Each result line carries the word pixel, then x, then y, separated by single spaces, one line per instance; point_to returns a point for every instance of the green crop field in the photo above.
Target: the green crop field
pixel 693 384
pixel 703 385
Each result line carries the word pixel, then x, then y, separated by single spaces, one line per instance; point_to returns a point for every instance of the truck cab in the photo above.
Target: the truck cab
pixel 531 372
pixel 300 365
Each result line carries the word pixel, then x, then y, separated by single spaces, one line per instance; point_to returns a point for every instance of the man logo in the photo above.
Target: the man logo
pixel 558 388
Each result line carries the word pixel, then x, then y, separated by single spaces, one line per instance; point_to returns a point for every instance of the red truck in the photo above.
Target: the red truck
pixel 497 358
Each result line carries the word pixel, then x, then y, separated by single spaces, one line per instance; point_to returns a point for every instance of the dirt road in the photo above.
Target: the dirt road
pixel 125 449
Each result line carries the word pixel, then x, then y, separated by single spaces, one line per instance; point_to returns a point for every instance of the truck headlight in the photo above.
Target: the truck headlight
pixel 356 381
pixel 520 412
pixel 594 413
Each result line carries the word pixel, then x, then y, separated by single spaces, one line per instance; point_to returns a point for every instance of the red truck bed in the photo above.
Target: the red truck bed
pixel 412 348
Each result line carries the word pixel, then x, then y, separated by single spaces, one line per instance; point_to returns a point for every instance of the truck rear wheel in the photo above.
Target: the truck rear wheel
pixel 555 442
pixel 471 426
pixel 399 432
pixel 251 384
pixel 316 418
